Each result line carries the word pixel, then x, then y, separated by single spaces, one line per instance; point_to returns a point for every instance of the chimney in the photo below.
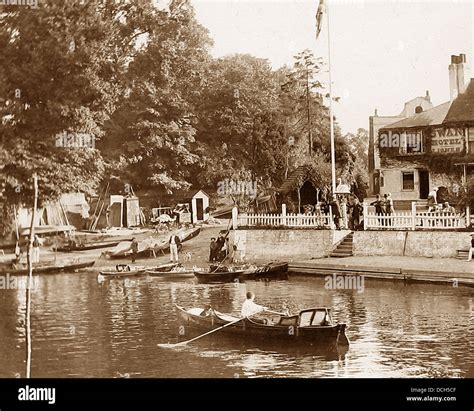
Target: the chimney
pixel 428 97
pixel 462 74
pixel 458 75
pixel 453 78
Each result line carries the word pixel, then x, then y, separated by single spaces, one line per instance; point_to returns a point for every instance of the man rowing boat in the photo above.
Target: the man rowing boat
pixel 250 308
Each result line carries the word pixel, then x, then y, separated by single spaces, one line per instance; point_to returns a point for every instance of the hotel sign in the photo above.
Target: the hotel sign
pixel 447 140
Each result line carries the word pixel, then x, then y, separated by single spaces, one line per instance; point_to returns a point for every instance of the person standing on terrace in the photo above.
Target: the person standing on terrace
pixel 379 207
pixel 389 210
pixel 432 199
pixel 471 250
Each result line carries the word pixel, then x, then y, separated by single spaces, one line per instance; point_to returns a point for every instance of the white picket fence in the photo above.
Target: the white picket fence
pixel 308 220
pixel 439 220
pixel 402 221
pixel 407 220
pixel 250 220
pixel 414 220
pixel 283 220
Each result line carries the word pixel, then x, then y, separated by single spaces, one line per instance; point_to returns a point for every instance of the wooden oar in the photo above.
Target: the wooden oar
pixel 199 336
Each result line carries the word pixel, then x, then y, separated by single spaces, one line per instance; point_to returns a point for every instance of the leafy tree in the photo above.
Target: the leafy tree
pixel 151 136
pixel 307 118
pixel 164 114
pixel 240 126
pixel 61 70
pixel 359 145
pixel 62 66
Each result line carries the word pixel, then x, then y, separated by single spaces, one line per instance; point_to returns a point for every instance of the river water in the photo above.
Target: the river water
pixel 83 328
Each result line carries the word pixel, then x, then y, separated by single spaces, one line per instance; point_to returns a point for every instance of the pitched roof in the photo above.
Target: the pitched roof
pixel 298 177
pixel 462 108
pixel 202 191
pixel 433 116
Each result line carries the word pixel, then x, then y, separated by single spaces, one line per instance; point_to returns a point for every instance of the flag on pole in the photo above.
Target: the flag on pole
pixel 319 17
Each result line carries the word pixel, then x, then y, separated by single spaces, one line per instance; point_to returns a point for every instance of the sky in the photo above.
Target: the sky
pixel 383 53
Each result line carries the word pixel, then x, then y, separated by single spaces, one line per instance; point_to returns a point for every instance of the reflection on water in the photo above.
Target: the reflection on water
pixel 82 328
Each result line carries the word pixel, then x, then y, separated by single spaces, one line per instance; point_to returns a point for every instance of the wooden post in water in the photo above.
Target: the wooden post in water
pixel 30 278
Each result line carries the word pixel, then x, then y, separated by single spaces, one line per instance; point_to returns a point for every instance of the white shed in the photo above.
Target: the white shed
pixel 199 203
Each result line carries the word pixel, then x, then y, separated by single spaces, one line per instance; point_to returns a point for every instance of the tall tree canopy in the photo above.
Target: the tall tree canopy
pixel 62 69
pixel 151 135
pixel 160 111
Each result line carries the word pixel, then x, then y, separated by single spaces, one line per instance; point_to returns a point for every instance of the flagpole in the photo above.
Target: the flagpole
pixel 331 117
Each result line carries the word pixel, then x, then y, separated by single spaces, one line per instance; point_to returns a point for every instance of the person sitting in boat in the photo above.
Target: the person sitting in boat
pixel 250 308
pixel 36 249
pixel 207 311
pixel 71 242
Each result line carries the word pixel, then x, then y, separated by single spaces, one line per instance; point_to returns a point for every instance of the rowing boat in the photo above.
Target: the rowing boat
pixel 123 270
pixel 165 268
pixel 309 326
pixel 271 271
pixel 87 246
pixel 49 269
pixel 150 247
pixel 176 272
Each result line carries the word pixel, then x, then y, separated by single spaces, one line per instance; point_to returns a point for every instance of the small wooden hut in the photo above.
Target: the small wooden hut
pixel 304 186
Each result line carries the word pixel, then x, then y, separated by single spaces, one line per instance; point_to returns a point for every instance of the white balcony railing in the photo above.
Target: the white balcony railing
pixel 414 220
pixel 405 220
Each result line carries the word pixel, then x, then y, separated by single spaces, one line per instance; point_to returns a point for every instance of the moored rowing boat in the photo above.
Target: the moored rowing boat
pixel 271 271
pixel 150 247
pixel 123 270
pixel 49 269
pixel 87 246
pixel 176 272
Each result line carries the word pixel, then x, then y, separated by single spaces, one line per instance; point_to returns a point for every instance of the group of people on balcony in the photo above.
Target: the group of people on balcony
pixel 384 207
pixel 346 212
pixel 384 210
pixel 435 207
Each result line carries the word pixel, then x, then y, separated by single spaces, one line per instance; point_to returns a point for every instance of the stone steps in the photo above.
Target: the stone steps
pixel 344 249
pixel 462 254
